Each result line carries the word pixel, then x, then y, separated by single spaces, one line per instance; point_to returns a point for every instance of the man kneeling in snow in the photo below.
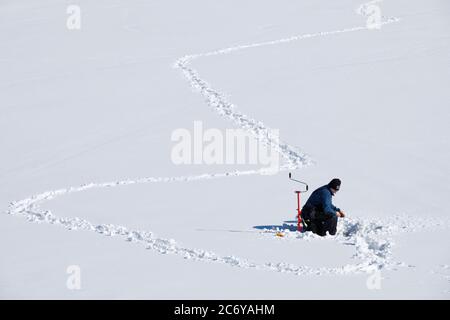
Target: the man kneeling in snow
pixel 319 214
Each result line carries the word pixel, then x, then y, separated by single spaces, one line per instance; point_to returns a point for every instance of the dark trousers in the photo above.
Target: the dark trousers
pixel 327 224
pixel 319 222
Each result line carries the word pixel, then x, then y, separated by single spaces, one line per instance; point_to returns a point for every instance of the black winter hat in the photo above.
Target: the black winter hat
pixel 335 184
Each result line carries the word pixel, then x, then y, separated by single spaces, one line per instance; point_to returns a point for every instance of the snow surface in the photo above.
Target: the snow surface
pixel 99 104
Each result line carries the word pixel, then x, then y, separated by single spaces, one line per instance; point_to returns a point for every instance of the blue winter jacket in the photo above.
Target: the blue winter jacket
pixel 320 200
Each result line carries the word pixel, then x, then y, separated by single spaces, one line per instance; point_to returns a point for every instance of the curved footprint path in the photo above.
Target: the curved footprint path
pixel 370 238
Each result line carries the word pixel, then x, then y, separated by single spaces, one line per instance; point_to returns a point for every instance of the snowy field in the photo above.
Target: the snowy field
pixel 90 99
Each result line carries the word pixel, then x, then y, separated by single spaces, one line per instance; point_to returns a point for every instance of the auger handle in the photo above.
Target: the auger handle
pixel 303 183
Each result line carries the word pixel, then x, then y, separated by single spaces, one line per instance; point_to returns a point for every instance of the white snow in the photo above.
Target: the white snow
pixel 98 104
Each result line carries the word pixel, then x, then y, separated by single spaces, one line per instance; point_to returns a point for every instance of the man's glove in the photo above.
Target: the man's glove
pixel 340 214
